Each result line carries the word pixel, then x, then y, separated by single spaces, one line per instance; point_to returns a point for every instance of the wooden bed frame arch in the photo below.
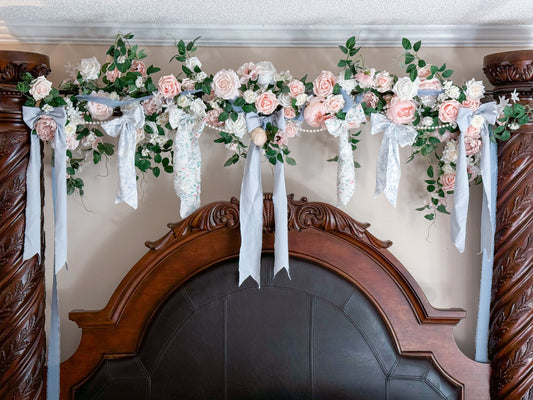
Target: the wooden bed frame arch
pixel 319 233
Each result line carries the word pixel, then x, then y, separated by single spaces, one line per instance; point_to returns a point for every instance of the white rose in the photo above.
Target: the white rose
pixel 428 101
pixel 266 72
pixel 427 121
pixel 301 99
pixel 284 76
pixel 237 127
pixel 193 62
pixel 477 121
pixel 47 108
pixel 89 68
pixel 453 92
pixel 200 76
pixel 250 96
pixel 405 89
pixel 285 100
pixel 447 169
pixel 139 83
pixel 475 89
pixel 346 84
pixel 183 101
pixel 121 59
pixel 40 88
pixel 447 84
pixel 450 151
pixel 198 107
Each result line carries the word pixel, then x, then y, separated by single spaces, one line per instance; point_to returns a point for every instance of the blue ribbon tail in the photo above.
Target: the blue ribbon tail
pixel 251 218
pixel 281 241
pixel 32 229
pixel 52 388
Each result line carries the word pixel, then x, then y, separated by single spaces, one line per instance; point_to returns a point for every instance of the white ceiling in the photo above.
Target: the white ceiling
pixel 278 22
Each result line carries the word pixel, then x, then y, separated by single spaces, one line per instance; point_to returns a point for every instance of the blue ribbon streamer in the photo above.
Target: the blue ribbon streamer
pixel 110 102
pixel 251 207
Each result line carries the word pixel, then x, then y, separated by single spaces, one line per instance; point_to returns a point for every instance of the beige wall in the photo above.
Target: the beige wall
pixel 105 240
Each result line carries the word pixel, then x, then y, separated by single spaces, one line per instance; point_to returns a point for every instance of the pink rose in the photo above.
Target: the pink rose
pixel 211 117
pixel 226 84
pixel 91 141
pixel 187 84
pixel 289 113
pixel 248 72
pixel 281 138
pixel 472 132
pixel 153 105
pixel 384 81
pixel 138 66
pixel 169 86
pixel 99 111
pixel 447 181
pixel 424 72
pixel 370 99
pixel 71 142
pixel 472 146
pixel 296 88
pixel 366 78
pixel 291 129
pixel 266 103
pixel 401 111
pixel 45 127
pixel 430 84
pixel 334 103
pixel 324 83
pixel 40 88
pixel 112 75
pixel 315 112
pixel 471 103
pixel 448 111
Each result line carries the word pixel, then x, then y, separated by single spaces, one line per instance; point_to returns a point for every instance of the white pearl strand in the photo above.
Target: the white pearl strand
pixel 216 128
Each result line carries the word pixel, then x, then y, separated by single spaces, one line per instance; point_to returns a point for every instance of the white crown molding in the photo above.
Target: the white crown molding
pixel 273 36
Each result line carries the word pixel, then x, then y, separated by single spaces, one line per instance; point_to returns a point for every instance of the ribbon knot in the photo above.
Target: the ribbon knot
pixel 388 170
pixel 125 128
pixel 187 159
pixel 251 207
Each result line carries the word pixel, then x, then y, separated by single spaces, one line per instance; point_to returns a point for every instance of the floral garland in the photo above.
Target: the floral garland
pixel 425 101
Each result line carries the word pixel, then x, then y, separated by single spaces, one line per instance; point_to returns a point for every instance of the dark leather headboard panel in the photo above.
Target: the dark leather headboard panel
pixel 315 336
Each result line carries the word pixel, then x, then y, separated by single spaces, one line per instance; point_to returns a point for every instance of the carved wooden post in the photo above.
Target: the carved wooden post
pixel 22 292
pixel 511 337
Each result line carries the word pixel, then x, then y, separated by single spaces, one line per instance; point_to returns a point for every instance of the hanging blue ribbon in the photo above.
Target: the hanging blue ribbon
pixel 251 207
pixel 388 170
pixel 110 102
pixel 125 128
pixel 33 223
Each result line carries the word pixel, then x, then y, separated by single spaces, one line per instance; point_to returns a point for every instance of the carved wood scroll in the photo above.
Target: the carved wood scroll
pixel 22 293
pixel 511 336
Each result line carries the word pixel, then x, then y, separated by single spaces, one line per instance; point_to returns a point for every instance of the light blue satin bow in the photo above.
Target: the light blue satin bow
pixel 345 166
pixel 125 127
pixel 187 160
pixel 388 170
pixel 32 239
pixel 251 208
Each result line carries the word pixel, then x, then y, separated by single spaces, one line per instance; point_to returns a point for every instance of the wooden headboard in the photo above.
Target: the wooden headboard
pixel 351 323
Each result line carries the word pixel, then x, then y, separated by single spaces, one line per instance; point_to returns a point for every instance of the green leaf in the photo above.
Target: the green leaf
pixel 347 74
pixel 417 45
pixel 406 44
pixel 96 157
pixel 434 69
pixel 156 171
pixel 239 102
pixel 224 115
pixel 350 43
pixel 158 158
pixel 442 208
pixel 232 160
pixel 413 75
pixel 421 63
pixel 409 58
pixel 356 164
pixel 430 188
pixel 341 63
pixel 290 161
pixel 343 49
pixel 447 73
pixel 430 171
pixel 334 159
pixel 430 217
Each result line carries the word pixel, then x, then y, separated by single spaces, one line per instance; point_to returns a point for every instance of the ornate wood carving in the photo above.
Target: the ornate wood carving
pixel 22 293
pixel 319 233
pixel 511 336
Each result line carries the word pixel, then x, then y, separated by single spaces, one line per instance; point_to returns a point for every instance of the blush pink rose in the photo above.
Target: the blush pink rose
pixel 211 117
pixel 424 72
pixel 226 84
pixel 366 78
pixel 289 113
pixel 296 88
pixel 471 103
pixel 324 83
pixel 472 146
pixel 384 81
pixel 266 103
pixel 71 142
pixel 187 84
pixel 430 84
pixel 91 141
pixel 248 72
pixel 40 88
pixel 45 127
pixel 316 112
pixel 447 181
pixel 401 111
pixel 112 75
pixel 291 129
pixel 98 111
pixel 281 138
pixel 169 86
pixel 152 105
pixel 448 111
pixel 473 132
pixel 138 66
pixel 334 103
pixel 370 99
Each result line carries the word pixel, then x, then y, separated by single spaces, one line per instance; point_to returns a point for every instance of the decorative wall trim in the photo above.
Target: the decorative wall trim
pixel 487 35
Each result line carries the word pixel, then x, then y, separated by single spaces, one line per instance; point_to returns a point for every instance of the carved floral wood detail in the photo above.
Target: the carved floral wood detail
pixel 511 336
